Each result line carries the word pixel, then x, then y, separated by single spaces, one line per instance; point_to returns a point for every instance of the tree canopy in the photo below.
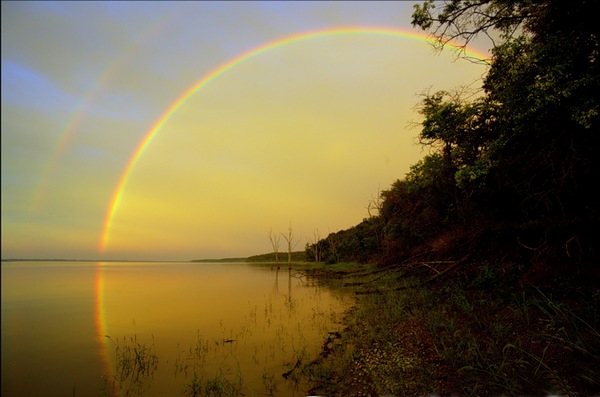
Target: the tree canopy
pixel 519 162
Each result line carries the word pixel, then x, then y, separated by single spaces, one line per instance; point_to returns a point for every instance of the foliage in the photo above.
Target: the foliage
pixel 518 161
pixel 509 182
pixel 460 338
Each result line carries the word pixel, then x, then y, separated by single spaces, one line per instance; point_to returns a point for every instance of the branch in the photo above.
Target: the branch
pixel 454 266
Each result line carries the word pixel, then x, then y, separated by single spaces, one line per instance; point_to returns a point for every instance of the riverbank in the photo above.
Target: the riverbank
pixel 459 329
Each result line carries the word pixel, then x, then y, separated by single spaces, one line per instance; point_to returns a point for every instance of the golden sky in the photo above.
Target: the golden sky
pixel 304 133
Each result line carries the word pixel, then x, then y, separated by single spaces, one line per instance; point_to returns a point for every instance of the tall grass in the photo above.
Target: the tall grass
pixel 477 338
pixel 136 364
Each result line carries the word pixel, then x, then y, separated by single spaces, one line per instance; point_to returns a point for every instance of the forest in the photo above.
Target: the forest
pixel 480 266
pixel 512 168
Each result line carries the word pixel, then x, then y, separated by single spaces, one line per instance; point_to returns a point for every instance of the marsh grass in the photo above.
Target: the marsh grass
pixel 219 385
pixel 275 338
pixel 136 364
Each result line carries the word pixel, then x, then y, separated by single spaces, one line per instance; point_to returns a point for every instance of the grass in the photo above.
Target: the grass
pixel 477 332
pixel 219 385
pixel 135 366
pixel 479 335
pixel 137 362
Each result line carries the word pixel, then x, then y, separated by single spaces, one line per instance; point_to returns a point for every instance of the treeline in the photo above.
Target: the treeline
pixel 512 171
pixel 296 256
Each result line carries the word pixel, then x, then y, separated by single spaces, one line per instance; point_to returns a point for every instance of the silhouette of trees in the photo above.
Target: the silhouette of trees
pixel 521 158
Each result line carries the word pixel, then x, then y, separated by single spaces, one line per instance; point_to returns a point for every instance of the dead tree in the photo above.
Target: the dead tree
pixel 275 239
pixel 315 247
pixel 375 204
pixel 289 238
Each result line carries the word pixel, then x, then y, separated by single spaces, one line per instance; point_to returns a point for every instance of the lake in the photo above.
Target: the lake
pixel 160 329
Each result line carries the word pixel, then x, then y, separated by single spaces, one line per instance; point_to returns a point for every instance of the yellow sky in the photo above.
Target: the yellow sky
pixel 305 133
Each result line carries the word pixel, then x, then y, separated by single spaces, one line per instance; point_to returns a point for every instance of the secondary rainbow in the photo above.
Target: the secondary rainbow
pixel 75 119
pixel 188 93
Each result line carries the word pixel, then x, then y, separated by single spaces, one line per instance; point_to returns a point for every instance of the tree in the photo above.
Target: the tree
pixel 274 238
pixel 315 245
pixel 461 21
pixel 527 150
pixel 289 238
pixel 333 240
pixel 374 204
pixel 519 160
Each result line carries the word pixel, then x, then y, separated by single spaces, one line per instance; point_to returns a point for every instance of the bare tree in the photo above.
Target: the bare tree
pixel 275 239
pixel 317 246
pixel 289 238
pixel 314 244
pixel 375 204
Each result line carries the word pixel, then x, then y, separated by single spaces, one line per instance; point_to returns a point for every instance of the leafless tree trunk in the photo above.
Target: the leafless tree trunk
pixel 375 204
pixel 275 239
pixel 289 238
pixel 317 249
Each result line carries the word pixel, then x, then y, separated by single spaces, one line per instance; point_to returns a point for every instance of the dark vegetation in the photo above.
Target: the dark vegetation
pixel 511 173
pixel 487 250
pixel 461 335
pixel 220 260
pixel 296 257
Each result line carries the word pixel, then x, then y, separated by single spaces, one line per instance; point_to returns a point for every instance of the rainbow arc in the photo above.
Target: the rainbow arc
pixel 225 67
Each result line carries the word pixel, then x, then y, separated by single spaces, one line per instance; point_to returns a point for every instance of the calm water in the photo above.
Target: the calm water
pixel 71 328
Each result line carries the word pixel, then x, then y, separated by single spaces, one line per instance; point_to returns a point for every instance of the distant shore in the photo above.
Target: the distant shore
pixel 82 260
pixel 298 256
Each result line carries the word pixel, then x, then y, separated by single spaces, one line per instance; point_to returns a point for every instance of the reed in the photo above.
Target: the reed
pixel 136 364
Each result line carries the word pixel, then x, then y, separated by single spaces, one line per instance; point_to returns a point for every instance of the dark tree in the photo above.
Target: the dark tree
pixel 527 151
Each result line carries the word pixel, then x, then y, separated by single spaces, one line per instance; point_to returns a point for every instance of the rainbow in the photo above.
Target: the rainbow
pixel 101 327
pixel 216 72
pixel 75 119
pixel 65 138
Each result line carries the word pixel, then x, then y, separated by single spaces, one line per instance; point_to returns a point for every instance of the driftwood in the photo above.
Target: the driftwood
pixel 451 267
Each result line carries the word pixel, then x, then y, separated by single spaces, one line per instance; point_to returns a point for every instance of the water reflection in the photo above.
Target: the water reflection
pixel 289 283
pixel 189 328
pixel 49 344
pixel 102 337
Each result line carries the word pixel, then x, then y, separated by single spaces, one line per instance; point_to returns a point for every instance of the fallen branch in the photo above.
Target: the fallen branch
pixel 454 266
pixel 431 267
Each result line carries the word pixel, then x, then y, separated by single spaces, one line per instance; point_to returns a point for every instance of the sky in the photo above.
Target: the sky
pixel 189 130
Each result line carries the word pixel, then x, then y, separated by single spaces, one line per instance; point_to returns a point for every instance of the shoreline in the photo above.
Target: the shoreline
pixel 472 331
